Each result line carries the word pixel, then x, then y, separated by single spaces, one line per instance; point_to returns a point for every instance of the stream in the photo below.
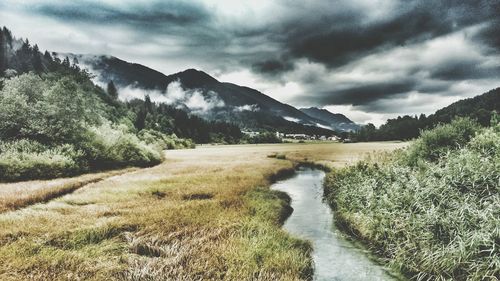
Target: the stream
pixel 335 257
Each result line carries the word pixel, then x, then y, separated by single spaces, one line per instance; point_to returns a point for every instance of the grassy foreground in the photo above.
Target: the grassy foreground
pixel 205 213
pixel 432 210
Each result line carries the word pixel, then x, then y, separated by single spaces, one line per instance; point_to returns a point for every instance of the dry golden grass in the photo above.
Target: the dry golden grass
pixel 203 214
pixel 19 195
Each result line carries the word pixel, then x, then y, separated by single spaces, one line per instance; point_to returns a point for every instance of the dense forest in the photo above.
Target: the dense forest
pixel 479 108
pixel 56 122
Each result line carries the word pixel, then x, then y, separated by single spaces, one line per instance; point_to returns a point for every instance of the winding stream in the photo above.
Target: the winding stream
pixel 335 257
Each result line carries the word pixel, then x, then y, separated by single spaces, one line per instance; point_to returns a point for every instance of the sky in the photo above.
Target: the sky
pixel 368 59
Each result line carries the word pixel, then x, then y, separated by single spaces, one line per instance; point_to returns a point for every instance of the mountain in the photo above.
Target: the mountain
pixel 203 95
pixel 21 60
pixel 335 120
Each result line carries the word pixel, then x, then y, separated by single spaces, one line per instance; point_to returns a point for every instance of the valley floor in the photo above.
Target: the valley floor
pixel 205 213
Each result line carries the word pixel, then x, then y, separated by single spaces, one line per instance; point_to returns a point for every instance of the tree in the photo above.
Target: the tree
pixel 37 60
pixel 148 104
pixel 66 63
pixel 45 111
pixel 47 56
pixel 75 66
pixel 140 120
pixel 3 57
pixel 8 36
pixel 112 91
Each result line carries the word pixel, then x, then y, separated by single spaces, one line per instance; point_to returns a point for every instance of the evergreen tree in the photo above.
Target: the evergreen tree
pixel 75 66
pixel 8 36
pixel 66 64
pixel 112 91
pixel 37 60
pixel 37 63
pixel 47 56
pixel 148 104
pixel 140 120
pixel 35 49
pixel 3 56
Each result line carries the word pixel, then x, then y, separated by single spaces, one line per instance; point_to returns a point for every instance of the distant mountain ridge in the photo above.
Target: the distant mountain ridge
pixel 335 120
pixel 247 107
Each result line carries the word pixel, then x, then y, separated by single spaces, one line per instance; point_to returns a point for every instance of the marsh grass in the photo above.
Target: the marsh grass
pixel 432 213
pixel 139 226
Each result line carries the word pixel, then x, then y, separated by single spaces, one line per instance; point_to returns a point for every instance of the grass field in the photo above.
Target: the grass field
pixel 205 213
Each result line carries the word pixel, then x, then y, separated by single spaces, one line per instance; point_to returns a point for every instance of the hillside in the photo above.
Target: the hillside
pixel 54 121
pixel 479 108
pixel 215 100
pixel 335 120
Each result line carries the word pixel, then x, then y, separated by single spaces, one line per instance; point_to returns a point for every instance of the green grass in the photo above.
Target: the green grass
pixel 436 218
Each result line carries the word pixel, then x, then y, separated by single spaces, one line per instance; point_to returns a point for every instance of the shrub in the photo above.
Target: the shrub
pixel 434 143
pixel 26 160
pixel 162 141
pixel 103 147
pixel 110 146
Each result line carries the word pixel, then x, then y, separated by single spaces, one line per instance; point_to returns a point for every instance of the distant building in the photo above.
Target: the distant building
pixel 298 136
pixel 334 138
pixel 251 133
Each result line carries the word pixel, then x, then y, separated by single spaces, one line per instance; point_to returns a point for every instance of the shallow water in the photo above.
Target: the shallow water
pixel 335 257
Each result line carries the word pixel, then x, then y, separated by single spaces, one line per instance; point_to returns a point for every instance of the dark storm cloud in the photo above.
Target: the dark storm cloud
pixel 316 43
pixel 137 16
pixel 490 35
pixel 464 70
pixel 365 94
pixel 334 37
pixel 412 21
pixel 273 66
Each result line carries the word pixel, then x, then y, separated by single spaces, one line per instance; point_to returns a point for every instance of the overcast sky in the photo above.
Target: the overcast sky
pixel 368 59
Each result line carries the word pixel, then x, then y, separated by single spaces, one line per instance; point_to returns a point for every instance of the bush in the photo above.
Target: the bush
pixel 26 160
pixel 109 146
pixel 162 141
pixel 437 221
pixel 434 143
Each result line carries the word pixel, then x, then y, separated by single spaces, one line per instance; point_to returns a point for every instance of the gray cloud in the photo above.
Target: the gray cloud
pixel 140 16
pixel 273 66
pixel 344 52
pixel 365 94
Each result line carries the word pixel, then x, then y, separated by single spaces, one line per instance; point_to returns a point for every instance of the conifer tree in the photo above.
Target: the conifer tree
pixel 148 104
pixel 112 91
pixel 3 58
pixel 66 62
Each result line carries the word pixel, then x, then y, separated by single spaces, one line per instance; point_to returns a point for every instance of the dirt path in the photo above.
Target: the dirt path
pixel 22 194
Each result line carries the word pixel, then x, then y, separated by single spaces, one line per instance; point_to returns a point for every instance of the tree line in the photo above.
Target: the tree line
pixel 480 108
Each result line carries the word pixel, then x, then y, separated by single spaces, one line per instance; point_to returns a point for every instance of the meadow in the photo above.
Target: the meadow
pixel 204 213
